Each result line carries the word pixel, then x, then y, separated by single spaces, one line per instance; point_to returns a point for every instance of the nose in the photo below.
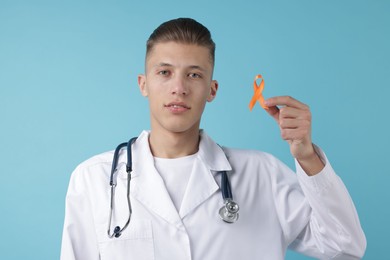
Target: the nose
pixel 179 86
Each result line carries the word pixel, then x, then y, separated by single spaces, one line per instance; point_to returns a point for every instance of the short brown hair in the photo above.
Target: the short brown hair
pixel 182 30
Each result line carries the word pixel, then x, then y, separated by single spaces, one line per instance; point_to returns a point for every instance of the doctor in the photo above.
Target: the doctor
pixel 175 187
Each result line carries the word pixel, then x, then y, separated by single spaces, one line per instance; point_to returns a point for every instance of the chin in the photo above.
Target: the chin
pixel 181 130
pixel 176 125
pixel 178 128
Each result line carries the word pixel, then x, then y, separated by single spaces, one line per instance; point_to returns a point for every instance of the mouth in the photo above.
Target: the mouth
pixel 177 107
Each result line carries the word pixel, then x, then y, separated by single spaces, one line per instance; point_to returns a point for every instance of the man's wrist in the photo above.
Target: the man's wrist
pixel 311 164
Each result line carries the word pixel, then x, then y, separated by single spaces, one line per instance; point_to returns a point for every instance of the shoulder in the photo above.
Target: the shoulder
pixel 94 171
pixel 96 160
pixel 98 165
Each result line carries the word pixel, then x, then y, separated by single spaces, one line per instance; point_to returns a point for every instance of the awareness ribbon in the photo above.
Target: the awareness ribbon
pixel 258 96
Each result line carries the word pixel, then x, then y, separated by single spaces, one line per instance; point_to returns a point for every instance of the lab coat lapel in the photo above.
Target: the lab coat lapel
pixel 147 185
pixel 202 184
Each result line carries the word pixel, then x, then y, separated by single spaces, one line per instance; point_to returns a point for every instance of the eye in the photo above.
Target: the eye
pixel 194 75
pixel 164 72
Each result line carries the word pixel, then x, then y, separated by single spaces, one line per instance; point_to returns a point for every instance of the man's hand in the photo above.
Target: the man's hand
pixel 294 120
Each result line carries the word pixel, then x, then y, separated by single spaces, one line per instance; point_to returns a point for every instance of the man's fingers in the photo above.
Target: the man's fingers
pixel 285 101
pixel 290 123
pixel 294 134
pixel 294 120
pixel 292 116
pixel 290 112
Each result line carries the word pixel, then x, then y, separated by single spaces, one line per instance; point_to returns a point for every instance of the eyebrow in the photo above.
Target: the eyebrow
pixel 164 64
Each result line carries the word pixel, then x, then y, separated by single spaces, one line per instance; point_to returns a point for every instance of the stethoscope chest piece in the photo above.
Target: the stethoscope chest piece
pixel 229 212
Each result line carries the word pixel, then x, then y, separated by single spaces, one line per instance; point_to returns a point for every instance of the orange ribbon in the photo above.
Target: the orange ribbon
pixel 258 96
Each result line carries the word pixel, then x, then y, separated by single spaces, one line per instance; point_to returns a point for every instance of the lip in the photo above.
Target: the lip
pixel 177 107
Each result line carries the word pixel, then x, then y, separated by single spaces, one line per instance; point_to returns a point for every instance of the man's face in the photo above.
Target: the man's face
pixel 178 82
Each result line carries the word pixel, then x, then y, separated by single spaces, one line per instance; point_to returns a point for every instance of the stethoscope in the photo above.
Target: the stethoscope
pixel 228 212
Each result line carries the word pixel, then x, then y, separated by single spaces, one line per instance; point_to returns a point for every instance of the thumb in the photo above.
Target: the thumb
pixel 274 112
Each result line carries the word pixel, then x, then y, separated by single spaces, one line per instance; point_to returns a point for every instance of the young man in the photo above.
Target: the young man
pixel 175 189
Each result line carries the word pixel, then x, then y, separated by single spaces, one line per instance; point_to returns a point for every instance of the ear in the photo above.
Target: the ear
pixel 213 90
pixel 142 85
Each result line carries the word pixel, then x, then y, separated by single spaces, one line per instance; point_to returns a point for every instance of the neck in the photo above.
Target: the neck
pixel 173 145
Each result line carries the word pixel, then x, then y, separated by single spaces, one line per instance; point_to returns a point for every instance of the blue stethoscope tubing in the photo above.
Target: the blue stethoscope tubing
pixel 228 212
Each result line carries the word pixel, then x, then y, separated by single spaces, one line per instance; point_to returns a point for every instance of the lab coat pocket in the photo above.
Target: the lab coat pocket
pixel 136 242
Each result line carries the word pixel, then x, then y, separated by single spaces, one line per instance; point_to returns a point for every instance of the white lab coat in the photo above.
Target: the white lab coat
pixel 278 209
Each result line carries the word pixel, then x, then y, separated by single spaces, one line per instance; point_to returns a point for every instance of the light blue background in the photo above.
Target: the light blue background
pixel 68 90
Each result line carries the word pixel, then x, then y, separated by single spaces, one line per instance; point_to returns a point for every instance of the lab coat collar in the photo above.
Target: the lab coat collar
pixel 212 154
pixel 148 187
pixel 202 184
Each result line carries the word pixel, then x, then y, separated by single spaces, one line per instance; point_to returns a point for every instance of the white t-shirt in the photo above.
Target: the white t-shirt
pixel 175 173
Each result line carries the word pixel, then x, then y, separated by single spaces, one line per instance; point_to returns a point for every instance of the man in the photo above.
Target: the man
pixel 175 192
